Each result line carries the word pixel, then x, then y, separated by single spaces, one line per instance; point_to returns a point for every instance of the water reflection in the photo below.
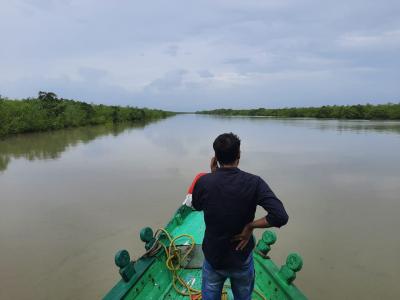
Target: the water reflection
pixel 65 218
pixel 50 145
pixel 358 126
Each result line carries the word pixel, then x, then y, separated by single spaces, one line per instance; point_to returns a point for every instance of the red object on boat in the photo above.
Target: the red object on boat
pixel 190 190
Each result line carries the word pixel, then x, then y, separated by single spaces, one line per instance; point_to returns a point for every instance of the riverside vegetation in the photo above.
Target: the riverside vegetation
pixel 388 111
pixel 48 112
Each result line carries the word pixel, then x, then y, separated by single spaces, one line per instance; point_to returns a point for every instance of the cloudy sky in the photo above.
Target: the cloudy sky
pixel 189 55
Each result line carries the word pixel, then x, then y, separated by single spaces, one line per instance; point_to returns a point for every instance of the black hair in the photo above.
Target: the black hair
pixel 227 148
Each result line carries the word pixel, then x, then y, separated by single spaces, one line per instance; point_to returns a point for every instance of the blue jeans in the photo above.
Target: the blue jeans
pixel 242 281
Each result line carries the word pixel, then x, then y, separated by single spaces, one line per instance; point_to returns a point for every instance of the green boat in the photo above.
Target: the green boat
pixel 170 268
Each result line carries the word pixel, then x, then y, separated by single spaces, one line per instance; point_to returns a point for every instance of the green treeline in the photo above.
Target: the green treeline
pixel 388 111
pixel 47 112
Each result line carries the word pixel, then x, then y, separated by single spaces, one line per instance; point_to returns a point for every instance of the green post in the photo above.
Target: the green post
pixel 268 239
pixel 123 261
pixel 147 236
pixel 294 263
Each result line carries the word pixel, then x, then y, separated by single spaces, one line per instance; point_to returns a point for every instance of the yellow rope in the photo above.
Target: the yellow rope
pixel 173 253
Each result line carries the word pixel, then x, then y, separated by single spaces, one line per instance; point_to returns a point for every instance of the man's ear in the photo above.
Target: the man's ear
pixel 239 154
pixel 218 163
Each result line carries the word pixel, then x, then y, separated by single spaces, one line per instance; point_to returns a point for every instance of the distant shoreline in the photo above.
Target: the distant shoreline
pixel 47 112
pixel 389 111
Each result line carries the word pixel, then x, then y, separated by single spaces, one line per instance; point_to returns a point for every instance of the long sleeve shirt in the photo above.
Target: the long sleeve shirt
pixel 229 198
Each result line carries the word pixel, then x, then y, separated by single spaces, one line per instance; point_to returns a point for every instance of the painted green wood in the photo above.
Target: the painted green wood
pixel 150 279
pixel 193 225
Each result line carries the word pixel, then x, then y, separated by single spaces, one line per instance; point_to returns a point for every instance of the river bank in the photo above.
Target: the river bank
pixel 389 111
pixel 48 112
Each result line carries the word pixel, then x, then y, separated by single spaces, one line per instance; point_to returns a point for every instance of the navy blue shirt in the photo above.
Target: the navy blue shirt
pixel 229 198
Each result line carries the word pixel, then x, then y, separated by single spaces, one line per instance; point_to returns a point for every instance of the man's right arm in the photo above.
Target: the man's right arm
pixel 198 189
pixel 197 199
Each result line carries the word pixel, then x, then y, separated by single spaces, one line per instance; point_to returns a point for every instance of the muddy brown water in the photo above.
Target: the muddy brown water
pixel 70 199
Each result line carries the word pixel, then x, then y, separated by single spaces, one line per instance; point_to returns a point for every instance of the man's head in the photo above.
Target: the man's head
pixel 227 148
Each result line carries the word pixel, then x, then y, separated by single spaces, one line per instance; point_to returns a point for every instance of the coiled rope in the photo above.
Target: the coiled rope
pixel 173 264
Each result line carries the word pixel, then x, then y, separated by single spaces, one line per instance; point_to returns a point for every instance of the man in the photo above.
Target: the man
pixel 229 197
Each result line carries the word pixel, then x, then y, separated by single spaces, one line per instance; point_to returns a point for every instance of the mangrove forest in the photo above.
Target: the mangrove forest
pixel 389 111
pixel 48 112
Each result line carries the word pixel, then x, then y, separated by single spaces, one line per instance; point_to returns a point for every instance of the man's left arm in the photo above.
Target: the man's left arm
pixel 276 216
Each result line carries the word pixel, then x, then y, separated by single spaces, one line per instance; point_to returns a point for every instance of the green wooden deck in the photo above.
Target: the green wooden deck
pixel 149 278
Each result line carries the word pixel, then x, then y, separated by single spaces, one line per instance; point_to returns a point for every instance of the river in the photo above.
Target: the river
pixel 70 199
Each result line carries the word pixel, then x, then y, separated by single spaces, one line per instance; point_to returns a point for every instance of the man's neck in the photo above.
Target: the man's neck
pixel 234 165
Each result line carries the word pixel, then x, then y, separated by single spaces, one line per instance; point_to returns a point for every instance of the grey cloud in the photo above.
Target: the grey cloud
pixel 173 90
pixel 170 81
pixel 237 61
pixel 172 50
pixel 89 89
pixel 268 53
pixel 46 5
pixel 92 74
pixel 205 74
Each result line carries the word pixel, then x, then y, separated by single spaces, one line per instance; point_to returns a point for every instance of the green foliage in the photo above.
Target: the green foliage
pixel 388 111
pixel 48 112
